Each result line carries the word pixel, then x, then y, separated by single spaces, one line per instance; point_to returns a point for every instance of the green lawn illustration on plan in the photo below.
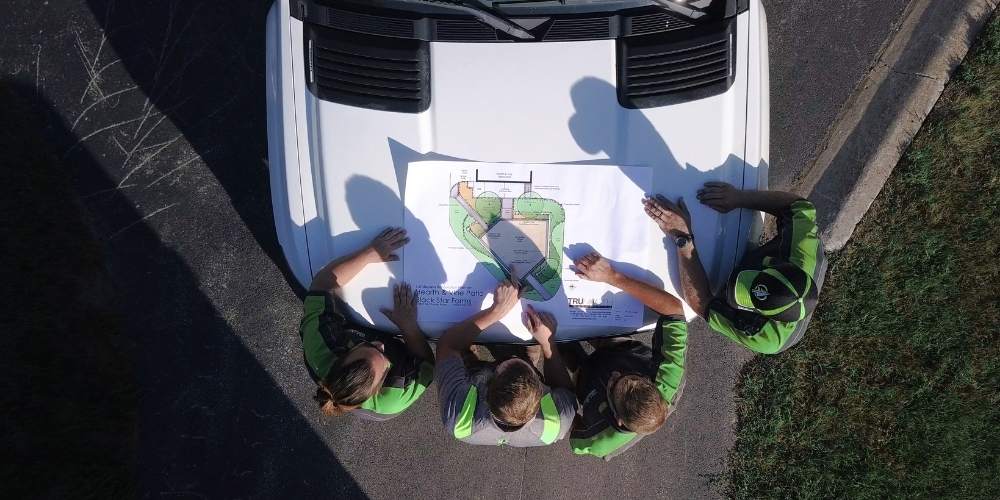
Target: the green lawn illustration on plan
pixel 512 227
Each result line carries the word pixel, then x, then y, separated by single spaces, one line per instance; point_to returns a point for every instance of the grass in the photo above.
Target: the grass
pixel 894 390
pixel 67 387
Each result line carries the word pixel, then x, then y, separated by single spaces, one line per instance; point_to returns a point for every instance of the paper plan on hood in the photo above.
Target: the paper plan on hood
pixel 490 221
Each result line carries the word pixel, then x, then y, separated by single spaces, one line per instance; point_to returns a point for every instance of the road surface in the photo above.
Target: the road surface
pixel 159 110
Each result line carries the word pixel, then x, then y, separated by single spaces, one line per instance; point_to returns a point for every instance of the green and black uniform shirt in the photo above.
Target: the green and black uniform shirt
pixel 327 335
pixel 466 414
pixel 596 430
pixel 798 243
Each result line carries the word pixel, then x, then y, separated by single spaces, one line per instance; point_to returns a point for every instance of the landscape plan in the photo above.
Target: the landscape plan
pixel 492 221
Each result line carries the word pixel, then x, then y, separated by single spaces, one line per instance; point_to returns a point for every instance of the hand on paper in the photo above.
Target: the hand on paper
pixel 505 298
pixel 594 267
pixel 542 326
pixel 387 242
pixel 404 308
pixel 673 219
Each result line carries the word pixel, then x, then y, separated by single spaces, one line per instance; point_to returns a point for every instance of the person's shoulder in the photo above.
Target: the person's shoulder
pixel 323 302
pixel 743 322
pixel 803 209
pixel 450 371
pixel 674 320
pixel 563 396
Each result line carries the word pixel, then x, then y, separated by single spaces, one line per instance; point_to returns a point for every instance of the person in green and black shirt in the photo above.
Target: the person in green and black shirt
pixel 770 296
pixel 373 375
pixel 627 389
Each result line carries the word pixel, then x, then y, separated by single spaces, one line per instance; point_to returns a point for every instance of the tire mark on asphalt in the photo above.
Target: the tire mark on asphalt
pixel 122 230
pixel 91 66
pixel 98 101
pixel 38 58
pixel 148 158
pixel 98 131
pixel 184 164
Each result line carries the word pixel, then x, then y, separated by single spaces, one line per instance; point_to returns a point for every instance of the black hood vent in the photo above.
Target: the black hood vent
pixel 463 30
pixel 374 72
pixel 655 22
pixel 367 23
pixel 663 69
pixel 594 28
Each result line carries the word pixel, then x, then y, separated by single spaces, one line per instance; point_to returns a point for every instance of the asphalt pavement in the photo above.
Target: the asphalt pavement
pixel 158 110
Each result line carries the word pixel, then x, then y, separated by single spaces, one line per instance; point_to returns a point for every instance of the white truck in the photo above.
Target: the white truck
pixel 358 89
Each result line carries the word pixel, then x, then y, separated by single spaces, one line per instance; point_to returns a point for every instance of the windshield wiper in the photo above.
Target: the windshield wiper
pixel 483 15
pixel 684 9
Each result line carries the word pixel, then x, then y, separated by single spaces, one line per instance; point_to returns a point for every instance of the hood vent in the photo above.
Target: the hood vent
pixel 595 28
pixel 464 30
pixel 656 22
pixel 389 74
pixel 366 23
pixel 659 70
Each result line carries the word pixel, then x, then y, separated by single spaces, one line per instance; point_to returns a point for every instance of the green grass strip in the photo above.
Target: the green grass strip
pixel 893 393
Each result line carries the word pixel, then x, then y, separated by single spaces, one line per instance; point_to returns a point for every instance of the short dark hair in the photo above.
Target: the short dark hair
pixel 640 405
pixel 514 395
pixel 345 387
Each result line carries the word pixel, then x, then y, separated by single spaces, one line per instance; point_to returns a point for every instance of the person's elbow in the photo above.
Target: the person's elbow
pixel 324 281
pixel 699 305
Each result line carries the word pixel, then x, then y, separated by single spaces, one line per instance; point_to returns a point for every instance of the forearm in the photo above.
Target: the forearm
pixel 340 271
pixel 652 297
pixel 554 368
pixel 461 336
pixel 694 282
pixel 416 343
pixel 772 202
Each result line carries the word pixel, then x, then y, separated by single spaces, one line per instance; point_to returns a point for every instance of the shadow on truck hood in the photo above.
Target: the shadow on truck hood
pixel 528 103
pixel 539 103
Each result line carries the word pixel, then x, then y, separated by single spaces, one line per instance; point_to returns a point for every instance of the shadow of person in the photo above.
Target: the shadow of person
pixel 578 250
pixel 198 70
pixel 373 206
pixel 211 421
pixel 628 138
pixel 600 125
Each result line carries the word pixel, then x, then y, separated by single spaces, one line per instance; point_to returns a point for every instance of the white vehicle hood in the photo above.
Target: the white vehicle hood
pixel 511 102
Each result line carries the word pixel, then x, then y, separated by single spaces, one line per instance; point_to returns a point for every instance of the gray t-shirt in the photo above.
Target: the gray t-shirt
pixel 466 415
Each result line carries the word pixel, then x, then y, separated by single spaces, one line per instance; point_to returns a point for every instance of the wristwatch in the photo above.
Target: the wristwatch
pixel 682 240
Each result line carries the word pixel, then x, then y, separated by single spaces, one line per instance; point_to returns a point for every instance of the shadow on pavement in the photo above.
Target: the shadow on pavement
pixel 202 66
pixel 197 435
pixel 879 122
pixel 67 378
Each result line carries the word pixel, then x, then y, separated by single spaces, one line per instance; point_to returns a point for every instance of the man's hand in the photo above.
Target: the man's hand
pixel 720 196
pixel 595 267
pixel 404 308
pixel 542 326
pixel 673 219
pixel 504 299
pixel 387 242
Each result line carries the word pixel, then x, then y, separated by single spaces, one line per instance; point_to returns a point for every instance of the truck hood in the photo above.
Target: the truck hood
pixel 529 103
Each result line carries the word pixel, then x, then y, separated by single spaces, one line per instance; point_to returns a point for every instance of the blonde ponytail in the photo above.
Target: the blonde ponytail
pixel 345 388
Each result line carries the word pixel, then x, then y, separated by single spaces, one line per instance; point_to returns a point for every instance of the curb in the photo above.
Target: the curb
pixel 886 111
